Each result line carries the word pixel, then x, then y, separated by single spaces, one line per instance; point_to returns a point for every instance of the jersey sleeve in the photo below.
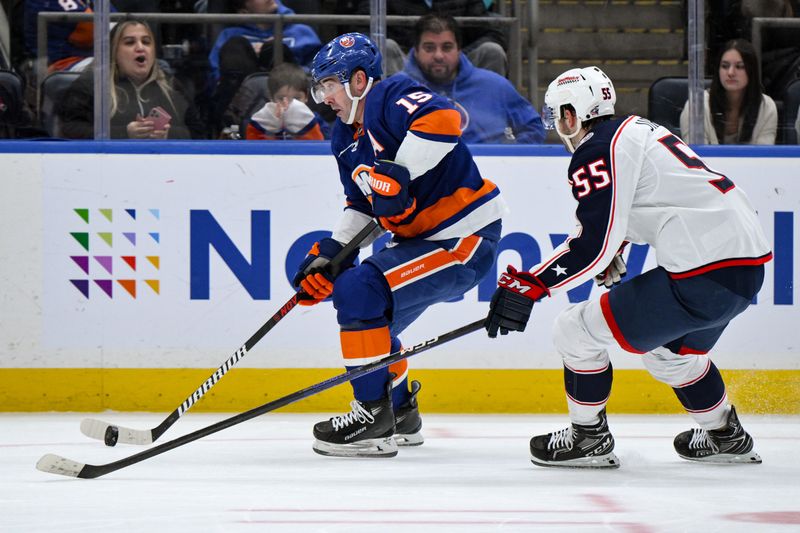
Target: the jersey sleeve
pixel 603 180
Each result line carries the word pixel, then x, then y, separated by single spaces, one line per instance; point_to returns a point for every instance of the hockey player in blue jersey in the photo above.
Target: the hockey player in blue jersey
pixel 401 161
pixel 634 181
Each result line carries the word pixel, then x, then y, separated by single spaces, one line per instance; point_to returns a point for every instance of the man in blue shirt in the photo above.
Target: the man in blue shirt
pixel 492 111
pixel 300 39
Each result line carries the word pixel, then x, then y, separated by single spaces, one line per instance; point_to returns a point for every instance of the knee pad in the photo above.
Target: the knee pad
pixel 361 294
pixel 581 337
pixel 673 369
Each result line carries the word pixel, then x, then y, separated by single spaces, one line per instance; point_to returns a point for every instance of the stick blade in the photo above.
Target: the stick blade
pixel 55 464
pixel 97 429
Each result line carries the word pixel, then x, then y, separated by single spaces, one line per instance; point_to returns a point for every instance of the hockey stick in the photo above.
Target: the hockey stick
pixel 55 464
pixel 111 434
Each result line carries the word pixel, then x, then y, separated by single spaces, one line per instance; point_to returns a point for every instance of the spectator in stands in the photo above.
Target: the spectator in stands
pixel 138 85
pixel 483 45
pixel 69 44
pixel 492 110
pixel 287 115
pixel 736 111
pixel 242 50
pixel 301 40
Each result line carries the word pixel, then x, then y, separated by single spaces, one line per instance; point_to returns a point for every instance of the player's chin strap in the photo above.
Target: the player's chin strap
pixel 567 139
pixel 356 99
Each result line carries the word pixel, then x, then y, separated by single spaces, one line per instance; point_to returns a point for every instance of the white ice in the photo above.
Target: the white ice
pixel 473 474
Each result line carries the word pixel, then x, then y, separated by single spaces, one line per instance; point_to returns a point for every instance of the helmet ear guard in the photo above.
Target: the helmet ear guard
pixel 588 91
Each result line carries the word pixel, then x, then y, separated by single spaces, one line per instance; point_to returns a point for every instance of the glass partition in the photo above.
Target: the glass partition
pixel 204 70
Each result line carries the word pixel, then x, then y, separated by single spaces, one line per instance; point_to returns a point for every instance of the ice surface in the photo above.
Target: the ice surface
pixel 472 474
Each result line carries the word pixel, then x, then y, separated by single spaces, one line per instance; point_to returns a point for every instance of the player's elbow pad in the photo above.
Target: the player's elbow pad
pixel 390 184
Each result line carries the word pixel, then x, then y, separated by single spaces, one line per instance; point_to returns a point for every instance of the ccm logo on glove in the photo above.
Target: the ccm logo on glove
pixel 523 283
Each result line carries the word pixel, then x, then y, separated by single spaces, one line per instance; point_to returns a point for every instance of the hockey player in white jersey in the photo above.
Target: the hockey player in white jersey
pixel 634 181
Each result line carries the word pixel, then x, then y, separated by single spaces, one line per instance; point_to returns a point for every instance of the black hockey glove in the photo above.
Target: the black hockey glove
pixel 513 301
pixel 315 276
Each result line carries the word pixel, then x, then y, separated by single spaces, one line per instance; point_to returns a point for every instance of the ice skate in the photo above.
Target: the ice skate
pixel 731 444
pixel 576 447
pixel 408 422
pixel 366 431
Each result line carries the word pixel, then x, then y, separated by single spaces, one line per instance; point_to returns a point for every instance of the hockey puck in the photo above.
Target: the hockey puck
pixel 112 434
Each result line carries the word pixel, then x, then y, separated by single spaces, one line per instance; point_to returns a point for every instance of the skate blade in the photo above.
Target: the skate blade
pixel 409 439
pixel 727 459
pixel 365 448
pixel 609 460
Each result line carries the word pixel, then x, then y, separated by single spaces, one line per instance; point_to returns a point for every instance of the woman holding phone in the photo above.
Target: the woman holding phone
pixel 145 103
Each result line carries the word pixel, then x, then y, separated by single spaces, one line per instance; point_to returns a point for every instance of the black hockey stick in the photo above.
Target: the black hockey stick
pixel 111 434
pixel 55 464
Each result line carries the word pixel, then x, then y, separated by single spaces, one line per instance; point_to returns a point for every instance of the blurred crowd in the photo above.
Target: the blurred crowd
pixel 212 81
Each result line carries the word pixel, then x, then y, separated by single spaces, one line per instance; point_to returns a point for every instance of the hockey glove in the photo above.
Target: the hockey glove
pixel 390 196
pixel 314 275
pixel 614 272
pixel 513 301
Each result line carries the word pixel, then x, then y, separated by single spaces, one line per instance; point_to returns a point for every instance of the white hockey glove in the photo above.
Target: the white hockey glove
pixel 614 272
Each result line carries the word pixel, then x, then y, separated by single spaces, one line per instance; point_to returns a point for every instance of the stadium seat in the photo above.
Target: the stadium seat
pixel 791 100
pixel 666 99
pixel 53 88
pixel 10 100
pixel 255 88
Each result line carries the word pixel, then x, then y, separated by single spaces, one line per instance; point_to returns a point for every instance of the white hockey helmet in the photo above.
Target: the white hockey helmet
pixel 590 93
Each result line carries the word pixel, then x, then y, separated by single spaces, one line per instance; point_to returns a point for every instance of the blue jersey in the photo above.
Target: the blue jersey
pixel 67 39
pixel 404 122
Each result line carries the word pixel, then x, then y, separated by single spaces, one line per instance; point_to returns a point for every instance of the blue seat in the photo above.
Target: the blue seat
pixel 10 101
pixel 255 87
pixel 666 100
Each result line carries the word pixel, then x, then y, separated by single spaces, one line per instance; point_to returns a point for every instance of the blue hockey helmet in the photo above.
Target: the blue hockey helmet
pixel 346 54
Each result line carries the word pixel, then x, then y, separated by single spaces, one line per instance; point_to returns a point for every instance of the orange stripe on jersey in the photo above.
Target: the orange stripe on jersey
pixel 464 250
pixel 446 207
pixel 83 34
pixel 397 219
pixel 254 134
pixel 399 369
pixel 440 122
pixel 366 343
pixel 313 134
pixel 431 263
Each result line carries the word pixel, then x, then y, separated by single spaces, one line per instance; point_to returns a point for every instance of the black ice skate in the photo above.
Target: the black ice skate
pixel 366 431
pixel 576 447
pixel 731 444
pixel 407 420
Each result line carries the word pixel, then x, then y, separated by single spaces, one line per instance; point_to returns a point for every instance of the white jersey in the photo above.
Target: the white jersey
pixel 635 181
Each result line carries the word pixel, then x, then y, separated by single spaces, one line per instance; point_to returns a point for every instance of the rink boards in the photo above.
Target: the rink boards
pixel 130 271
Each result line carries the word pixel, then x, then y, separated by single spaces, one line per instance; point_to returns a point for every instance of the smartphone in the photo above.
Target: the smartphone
pixel 160 117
